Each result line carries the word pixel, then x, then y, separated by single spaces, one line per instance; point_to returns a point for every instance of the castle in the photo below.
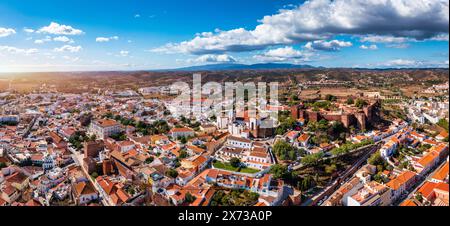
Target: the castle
pixel 359 118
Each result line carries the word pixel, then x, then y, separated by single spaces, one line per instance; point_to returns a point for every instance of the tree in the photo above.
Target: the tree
pixel 285 125
pixel 330 169
pixel 172 173
pixel 330 97
pixel 360 103
pixel 350 101
pixel 188 198
pixel 284 150
pixel 183 140
pixel 94 175
pixel 235 162
pixel 376 159
pixel 183 154
pixel 322 125
pixel 279 172
pixel 419 197
pixel 305 184
pixel 443 123
pixel 149 160
pixel 312 159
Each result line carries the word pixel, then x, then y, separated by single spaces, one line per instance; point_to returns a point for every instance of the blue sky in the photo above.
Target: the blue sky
pixel 137 35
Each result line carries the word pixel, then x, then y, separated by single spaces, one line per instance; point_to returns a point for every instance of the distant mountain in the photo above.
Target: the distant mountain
pixel 222 67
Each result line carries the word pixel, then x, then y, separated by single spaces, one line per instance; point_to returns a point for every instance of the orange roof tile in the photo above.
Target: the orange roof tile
pixel 408 202
pixel 442 173
pixel 400 180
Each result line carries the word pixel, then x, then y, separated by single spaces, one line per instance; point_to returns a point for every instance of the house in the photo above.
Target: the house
pixel 18 180
pixel 83 192
pixel 431 159
pixel 194 150
pixel 372 194
pixel 258 158
pixel 359 138
pixel 185 175
pixel 112 191
pixel 104 128
pixel 291 136
pixel 177 133
pixel 303 140
pixel 441 175
pixel 9 193
pixel 401 184
pixel 389 147
pixel 125 146
pixel 239 142
pixel 442 135
pixel 424 164
pixel 198 163
pixel 208 128
pixel 340 197
pixel 435 194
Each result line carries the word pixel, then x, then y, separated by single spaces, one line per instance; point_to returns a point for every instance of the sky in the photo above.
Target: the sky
pixel 96 35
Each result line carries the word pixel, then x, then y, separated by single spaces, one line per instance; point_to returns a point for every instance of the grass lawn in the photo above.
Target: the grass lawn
pixel 227 166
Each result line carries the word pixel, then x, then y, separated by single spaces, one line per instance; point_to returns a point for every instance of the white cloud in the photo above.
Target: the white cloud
pixel 14 50
pixel 333 45
pixel 384 39
pixel 68 48
pixel 4 32
pixel 63 39
pixel 398 45
pixel 283 54
pixel 410 63
pixel 210 58
pixel 370 47
pixel 106 39
pixel 124 53
pixel 59 29
pixel 401 62
pixel 323 19
pixel 44 40
pixel 137 15
pixel 28 30
pixel 441 37
pixel 73 59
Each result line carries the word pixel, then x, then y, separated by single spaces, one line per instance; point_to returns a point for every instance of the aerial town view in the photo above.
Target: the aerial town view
pixel 252 103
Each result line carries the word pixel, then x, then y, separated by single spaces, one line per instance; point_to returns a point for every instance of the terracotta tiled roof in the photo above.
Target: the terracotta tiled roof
pixel 408 202
pixel 442 173
pixel 107 123
pixel 304 137
pixel 400 180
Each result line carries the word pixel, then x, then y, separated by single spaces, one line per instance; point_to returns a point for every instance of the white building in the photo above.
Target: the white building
pixel 105 128
pixel 176 133
pixel 239 142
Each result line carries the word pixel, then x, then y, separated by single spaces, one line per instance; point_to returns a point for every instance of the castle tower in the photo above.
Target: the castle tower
pixel 346 120
pixel 295 112
pixel 361 120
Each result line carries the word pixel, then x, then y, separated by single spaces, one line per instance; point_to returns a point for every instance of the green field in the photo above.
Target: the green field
pixel 227 166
